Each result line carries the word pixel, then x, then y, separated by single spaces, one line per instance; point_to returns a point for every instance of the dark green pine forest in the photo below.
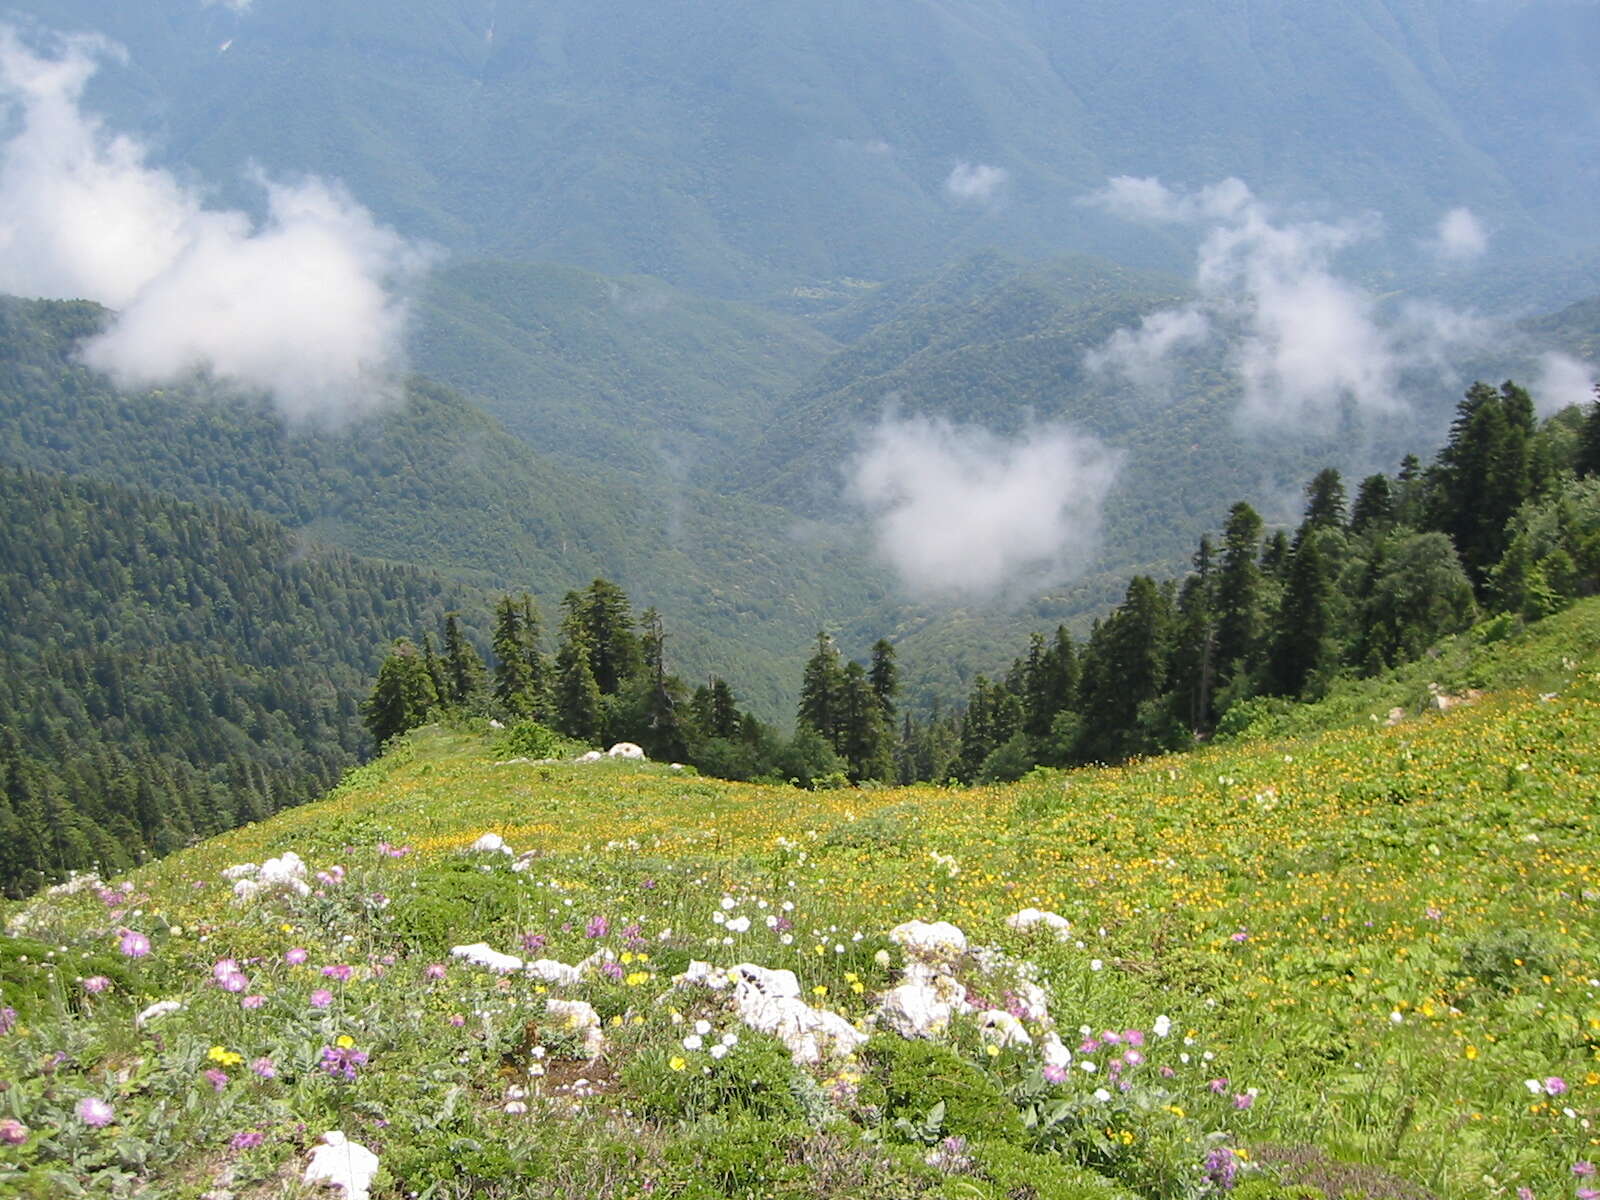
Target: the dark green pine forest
pixel 169 670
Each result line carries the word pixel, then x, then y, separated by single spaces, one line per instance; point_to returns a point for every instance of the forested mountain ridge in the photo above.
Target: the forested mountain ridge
pixel 744 149
pixel 436 482
pixel 169 670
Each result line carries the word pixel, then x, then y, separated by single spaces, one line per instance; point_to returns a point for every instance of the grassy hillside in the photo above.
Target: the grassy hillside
pixel 740 149
pixel 1361 959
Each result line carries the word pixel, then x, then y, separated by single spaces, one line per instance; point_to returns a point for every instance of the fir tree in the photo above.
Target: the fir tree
pixel 464 673
pixel 402 696
pixel 884 677
pixel 820 687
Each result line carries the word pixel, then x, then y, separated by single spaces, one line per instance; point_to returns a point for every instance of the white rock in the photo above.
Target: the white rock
pixel 548 970
pixel 591 756
pixel 581 1016
pixel 1033 918
pixel 479 954
pixel 491 843
pixel 922 1010
pixel 626 750
pixel 935 940
pixel 1002 1028
pixel 703 974
pixel 159 1009
pixel 343 1164
pixel 1055 1052
pixel 1030 997
pixel 765 980
pixel 493 724
pixel 768 1001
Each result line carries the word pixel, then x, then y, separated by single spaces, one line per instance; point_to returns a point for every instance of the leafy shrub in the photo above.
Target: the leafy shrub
pixel 917 1076
pixel 756 1080
pixel 455 900
pixel 1268 1189
pixel 530 739
pixel 888 829
pixel 742 1156
pixel 1016 1172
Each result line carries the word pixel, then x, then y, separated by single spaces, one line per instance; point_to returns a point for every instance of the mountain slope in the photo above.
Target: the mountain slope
pixel 169 670
pixel 745 148
pixel 438 483
pixel 1263 941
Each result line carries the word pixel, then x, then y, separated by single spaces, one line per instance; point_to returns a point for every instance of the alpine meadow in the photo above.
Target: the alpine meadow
pixel 911 600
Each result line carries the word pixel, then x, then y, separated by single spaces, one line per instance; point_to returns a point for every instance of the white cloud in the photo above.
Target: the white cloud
pixel 303 306
pixel 976 183
pixel 1305 343
pixel 237 6
pixel 1563 381
pixel 1143 356
pixel 961 512
pixel 1460 237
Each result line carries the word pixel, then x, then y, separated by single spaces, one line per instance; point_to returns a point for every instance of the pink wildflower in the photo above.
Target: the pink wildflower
pixel 321 998
pixel 13 1132
pixel 435 971
pixel 134 944
pixel 252 1002
pixel 218 1079
pixel 94 1111
pixel 295 956
pixel 96 984
pixel 264 1067
pixel 247 1139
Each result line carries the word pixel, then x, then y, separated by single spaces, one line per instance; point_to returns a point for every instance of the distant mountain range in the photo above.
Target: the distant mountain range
pixel 750 148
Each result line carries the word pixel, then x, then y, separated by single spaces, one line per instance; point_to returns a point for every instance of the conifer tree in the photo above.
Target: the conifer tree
pixel 1301 646
pixel 577 693
pixel 615 655
pixel 864 734
pixel 402 696
pixel 1588 462
pixel 820 691
pixel 464 672
pixel 1374 508
pixel 519 666
pixel 884 677
pixel 1238 596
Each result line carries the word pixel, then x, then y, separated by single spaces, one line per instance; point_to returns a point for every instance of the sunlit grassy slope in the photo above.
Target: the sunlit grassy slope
pixel 1377 944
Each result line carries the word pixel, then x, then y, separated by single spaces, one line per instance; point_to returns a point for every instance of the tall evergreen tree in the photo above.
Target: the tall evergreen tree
pixel 1589 440
pixel 615 655
pixel 464 672
pixel 1374 509
pixel 865 742
pixel 402 695
pixel 519 668
pixel 1302 644
pixel 884 677
pixel 1238 595
pixel 1483 474
pixel 820 687
pixel 1325 501
pixel 577 692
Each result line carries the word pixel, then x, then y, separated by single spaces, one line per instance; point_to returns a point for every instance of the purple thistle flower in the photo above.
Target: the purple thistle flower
pixel 8 1020
pixel 247 1139
pixel 295 955
pixel 612 971
pixel 1218 1086
pixel 321 998
pixel 1583 1169
pixel 1243 1101
pixel 339 971
pixel 1055 1073
pixel 264 1067
pixel 598 927
pixel 134 944
pixel 533 941
pixel 434 971
pixel 96 984
pixel 252 1002
pixel 218 1079
pixel 94 1111
pixel 13 1132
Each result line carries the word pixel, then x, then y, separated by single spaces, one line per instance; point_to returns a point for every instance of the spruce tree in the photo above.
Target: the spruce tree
pixel 464 673
pixel 577 693
pixel 1238 596
pixel 1588 462
pixel 402 695
pixel 820 691
pixel 1374 509
pixel 884 677
pixel 864 733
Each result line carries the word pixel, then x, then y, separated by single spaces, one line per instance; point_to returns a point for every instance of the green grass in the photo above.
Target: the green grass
pixel 1365 941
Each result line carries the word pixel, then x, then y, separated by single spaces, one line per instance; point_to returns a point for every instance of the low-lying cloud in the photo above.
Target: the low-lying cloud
pixel 304 305
pixel 1459 238
pixel 962 513
pixel 976 184
pixel 1305 344
pixel 1563 381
